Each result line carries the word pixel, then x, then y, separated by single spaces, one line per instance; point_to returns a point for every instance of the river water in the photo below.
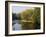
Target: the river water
pixel 17 25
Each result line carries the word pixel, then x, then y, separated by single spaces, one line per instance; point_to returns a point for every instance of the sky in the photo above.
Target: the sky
pixel 18 9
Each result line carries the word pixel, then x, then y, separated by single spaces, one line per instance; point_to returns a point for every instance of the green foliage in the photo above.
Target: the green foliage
pixel 33 16
pixel 37 17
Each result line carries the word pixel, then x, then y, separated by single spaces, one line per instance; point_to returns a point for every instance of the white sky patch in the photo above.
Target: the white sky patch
pixel 18 9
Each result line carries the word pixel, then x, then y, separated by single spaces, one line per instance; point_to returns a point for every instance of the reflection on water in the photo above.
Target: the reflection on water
pixel 17 25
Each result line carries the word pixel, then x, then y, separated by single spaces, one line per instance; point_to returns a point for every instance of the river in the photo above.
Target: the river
pixel 17 25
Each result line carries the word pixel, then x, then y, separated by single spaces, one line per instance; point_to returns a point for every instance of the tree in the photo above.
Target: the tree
pixel 37 17
pixel 33 16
